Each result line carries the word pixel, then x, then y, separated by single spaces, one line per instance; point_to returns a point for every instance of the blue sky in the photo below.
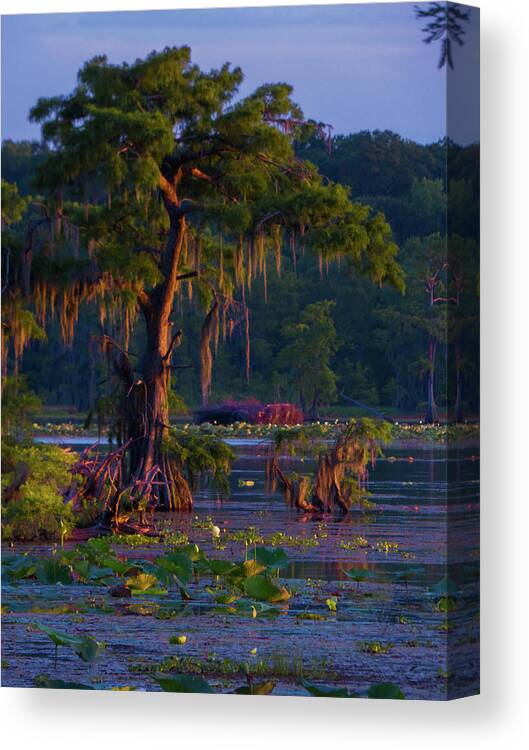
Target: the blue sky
pixel 354 66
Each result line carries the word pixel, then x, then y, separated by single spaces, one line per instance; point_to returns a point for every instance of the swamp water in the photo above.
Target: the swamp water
pixel 390 624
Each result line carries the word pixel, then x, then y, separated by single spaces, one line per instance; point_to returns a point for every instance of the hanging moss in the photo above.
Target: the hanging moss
pixel 341 469
pixel 209 331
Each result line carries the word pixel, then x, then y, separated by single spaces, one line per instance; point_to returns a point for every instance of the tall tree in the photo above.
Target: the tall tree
pixel 160 180
pixel 306 358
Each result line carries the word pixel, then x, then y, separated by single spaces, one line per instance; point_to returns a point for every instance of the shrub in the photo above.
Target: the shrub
pixel 33 507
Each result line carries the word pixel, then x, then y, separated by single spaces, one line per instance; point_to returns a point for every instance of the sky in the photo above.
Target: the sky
pixel 357 67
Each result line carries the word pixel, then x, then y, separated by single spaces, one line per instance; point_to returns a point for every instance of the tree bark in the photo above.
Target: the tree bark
pixel 314 413
pixel 431 409
pixel 171 491
pixel 458 410
pixel 150 469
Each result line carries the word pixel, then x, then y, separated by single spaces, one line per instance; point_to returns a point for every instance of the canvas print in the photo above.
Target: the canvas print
pixel 240 351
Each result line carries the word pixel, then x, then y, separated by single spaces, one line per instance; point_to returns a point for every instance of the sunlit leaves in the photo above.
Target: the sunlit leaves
pixel 258 688
pixel 144 584
pixel 262 588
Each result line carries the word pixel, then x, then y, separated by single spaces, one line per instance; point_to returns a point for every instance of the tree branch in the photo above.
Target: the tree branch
pixel 189 275
pixel 175 341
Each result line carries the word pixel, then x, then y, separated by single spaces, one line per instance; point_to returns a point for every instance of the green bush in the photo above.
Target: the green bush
pixel 19 404
pixel 36 511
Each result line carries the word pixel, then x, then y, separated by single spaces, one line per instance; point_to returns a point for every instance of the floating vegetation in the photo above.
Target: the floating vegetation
pixel 358 575
pixel 375 647
pixel 311 616
pixel 256 610
pixel 386 690
pixel 436 433
pixel 358 542
pixel 341 471
pixel 178 640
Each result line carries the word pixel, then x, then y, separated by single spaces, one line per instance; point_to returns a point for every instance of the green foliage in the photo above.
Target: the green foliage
pixel 321 691
pixel 86 647
pixel 19 406
pixel 385 690
pixel 273 559
pixel 13 204
pixel 184 683
pixel 257 688
pixel 176 565
pixel 379 360
pixel 19 162
pixel 358 382
pixel 306 358
pixel 42 681
pixel 50 570
pixel 38 511
pixel 358 575
pixel 144 584
pixel 375 647
pixel 201 456
pixel 308 439
pixel 262 588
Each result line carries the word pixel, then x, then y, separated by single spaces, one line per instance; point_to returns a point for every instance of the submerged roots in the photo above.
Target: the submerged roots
pixel 103 482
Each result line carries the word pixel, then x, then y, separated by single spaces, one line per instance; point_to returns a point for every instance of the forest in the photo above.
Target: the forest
pixel 367 343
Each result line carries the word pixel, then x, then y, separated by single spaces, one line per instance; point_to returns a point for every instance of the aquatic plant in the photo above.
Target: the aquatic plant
pixel 341 468
pixel 144 584
pixel 42 681
pixel 322 691
pixel 358 575
pixel 183 683
pixel 86 647
pixel 385 690
pixel 178 640
pixel 375 647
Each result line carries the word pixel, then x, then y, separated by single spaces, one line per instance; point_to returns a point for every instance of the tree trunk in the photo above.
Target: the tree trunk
pixel 151 471
pixel 314 413
pixel 458 410
pixel 303 403
pixel 431 409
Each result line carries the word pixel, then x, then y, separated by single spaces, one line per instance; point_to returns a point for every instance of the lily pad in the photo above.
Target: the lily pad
pixel 358 574
pixel 262 588
pixel 385 690
pixel 273 558
pixel 220 567
pixel 183 683
pixel 145 584
pixel 20 567
pixel 86 647
pixel 324 691
pixel 177 564
pixel 51 570
pixel 252 568
pixel 88 572
pixel 41 681
pixel 260 688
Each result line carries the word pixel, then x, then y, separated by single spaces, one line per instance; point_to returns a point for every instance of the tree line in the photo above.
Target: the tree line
pixel 320 332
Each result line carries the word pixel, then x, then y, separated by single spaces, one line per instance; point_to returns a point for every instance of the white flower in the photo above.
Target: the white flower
pixel 215 532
